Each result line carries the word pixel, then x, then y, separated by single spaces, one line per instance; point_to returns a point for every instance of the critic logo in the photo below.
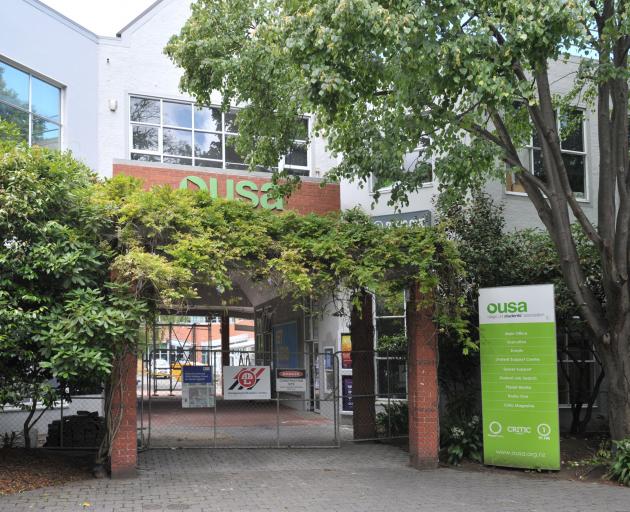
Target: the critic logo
pixel 507 307
pixel 519 430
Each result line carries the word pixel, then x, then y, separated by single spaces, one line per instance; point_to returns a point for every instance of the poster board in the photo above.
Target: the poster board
pixel 519 377
pixel 246 382
pixel 346 352
pixel 285 343
pixel 197 388
pixel 346 393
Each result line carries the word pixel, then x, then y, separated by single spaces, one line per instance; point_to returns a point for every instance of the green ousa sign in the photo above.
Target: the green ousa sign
pixel 519 377
pixel 245 190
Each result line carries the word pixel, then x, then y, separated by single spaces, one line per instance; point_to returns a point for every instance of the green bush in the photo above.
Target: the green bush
pixel 394 420
pixel 620 466
pixel 463 440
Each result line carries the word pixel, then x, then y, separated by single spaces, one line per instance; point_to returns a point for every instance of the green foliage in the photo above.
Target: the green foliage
pixel 620 465
pixel 169 243
pixel 393 343
pixel 60 316
pixel 393 421
pixel 462 439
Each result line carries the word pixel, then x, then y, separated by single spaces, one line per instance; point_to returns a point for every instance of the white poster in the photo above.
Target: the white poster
pixel 197 388
pixel 291 380
pixel 197 396
pixel 246 382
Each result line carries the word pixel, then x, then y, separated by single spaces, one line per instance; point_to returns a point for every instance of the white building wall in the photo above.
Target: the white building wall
pixel 134 63
pixel 46 43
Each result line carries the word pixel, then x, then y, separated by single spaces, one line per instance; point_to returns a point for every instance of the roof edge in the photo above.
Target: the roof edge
pixel 46 9
pixel 138 18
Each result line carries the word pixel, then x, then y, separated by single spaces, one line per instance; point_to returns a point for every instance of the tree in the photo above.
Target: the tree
pixel 493 257
pixel 62 322
pixel 471 74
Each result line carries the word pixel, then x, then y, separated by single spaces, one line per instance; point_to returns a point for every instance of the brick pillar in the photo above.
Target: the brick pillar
pixel 423 391
pixel 124 446
pixel 225 340
pixel 363 390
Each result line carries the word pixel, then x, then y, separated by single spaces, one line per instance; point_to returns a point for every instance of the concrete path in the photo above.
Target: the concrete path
pixel 354 478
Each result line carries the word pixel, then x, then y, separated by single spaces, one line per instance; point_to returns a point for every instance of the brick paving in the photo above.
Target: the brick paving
pixel 367 477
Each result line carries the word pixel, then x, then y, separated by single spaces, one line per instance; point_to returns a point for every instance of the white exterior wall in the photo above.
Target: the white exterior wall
pixel 47 44
pixel 519 211
pixel 135 64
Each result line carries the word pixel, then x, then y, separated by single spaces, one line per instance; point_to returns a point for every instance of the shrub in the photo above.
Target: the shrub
pixel 394 420
pixel 620 466
pixel 463 440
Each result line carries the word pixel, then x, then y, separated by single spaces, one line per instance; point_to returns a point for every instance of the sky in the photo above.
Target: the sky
pixel 104 17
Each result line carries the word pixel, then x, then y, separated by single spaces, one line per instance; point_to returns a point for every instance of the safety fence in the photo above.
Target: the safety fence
pixel 205 398
pixel 73 423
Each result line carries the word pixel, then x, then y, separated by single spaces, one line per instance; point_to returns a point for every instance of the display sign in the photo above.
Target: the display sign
pixel 244 189
pixel 285 342
pixel 519 377
pixel 246 383
pixel 197 389
pixel 291 380
pixel 346 352
pixel 346 393
pixel 418 218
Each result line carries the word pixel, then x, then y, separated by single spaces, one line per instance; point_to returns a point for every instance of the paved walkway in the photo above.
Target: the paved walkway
pixel 354 478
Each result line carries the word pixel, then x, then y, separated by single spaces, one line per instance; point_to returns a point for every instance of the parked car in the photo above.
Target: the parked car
pixel 161 369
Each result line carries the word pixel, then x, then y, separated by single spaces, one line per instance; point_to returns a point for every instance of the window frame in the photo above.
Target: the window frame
pixel 376 317
pixel 529 151
pixel 224 134
pixel 59 123
pixel 425 184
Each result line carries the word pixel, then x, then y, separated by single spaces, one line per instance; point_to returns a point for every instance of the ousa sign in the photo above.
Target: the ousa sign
pixel 241 189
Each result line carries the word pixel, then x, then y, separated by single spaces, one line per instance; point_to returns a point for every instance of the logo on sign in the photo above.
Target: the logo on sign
pixel 247 378
pixel 544 431
pixel 495 428
pixel 507 307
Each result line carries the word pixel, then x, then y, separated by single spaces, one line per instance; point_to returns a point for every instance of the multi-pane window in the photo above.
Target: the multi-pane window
pixel 32 104
pixel 177 132
pixel 570 124
pixel 391 361
pixel 417 161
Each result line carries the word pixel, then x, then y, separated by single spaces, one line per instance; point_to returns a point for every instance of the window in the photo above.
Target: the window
pixel 391 362
pixel 177 132
pixel 32 104
pixel 571 130
pixel 417 161
pixel 311 320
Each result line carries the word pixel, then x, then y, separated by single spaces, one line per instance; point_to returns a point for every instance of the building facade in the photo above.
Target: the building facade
pixel 115 103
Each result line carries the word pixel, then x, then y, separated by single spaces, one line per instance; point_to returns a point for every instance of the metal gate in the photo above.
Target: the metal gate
pixel 191 394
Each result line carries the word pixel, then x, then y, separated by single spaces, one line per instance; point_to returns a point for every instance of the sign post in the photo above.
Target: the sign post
pixel 519 377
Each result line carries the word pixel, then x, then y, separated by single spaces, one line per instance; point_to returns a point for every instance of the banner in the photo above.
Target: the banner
pixel 246 383
pixel 519 377
pixel 197 389
pixel 291 380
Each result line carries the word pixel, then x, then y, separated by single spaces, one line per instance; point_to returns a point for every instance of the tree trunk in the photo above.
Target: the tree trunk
pixel 363 390
pixel 618 374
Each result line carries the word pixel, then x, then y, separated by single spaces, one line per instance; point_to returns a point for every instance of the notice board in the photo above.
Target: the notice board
pixel 519 377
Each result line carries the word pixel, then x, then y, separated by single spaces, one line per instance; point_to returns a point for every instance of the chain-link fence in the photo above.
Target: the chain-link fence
pixel 76 422
pixel 242 398
pixel 373 394
pixel 243 403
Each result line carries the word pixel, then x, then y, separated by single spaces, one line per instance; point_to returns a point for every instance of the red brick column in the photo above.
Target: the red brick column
pixel 124 446
pixel 423 391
